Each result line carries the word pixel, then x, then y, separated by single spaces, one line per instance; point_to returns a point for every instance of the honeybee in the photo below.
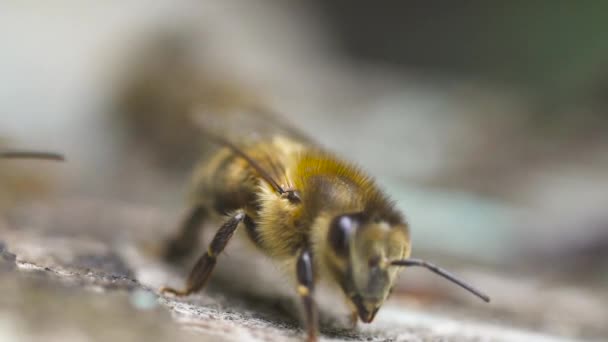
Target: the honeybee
pixel 319 215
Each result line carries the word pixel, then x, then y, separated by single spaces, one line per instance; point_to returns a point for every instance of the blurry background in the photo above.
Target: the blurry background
pixel 486 122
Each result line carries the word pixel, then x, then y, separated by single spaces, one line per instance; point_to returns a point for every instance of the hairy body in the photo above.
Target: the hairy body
pixel 228 183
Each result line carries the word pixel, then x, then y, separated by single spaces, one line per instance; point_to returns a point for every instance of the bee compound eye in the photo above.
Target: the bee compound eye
pixel 340 231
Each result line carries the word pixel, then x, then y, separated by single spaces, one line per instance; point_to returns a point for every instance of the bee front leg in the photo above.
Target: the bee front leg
pixel 186 240
pixel 353 317
pixel 305 275
pixel 204 266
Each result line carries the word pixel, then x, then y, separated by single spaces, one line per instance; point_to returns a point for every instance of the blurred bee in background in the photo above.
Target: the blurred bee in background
pixel 320 216
pixel 157 92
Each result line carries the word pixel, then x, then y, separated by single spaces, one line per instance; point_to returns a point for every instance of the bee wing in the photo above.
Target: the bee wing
pixel 237 129
pixel 246 126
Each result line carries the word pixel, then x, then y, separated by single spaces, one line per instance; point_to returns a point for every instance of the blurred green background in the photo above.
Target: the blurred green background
pixel 555 51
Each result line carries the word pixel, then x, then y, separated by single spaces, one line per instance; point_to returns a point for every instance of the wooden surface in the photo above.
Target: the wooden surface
pixel 70 273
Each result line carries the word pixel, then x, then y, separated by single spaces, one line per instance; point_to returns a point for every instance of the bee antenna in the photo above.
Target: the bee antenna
pixel 15 154
pixel 263 173
pixel 440 271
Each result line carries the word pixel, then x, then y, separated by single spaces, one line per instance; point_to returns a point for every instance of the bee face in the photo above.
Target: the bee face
pixel 362 248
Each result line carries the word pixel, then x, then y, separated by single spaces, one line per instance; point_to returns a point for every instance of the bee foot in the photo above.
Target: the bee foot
pixel 171 291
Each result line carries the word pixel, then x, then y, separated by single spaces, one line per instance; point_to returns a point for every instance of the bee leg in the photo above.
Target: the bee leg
pixel 305 275
pixel 204 266
pixel 353 318
pixel 185 242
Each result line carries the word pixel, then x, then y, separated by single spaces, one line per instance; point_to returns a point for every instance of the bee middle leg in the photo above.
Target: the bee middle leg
pixel 204 266
pixel 182 245
pixel 305 276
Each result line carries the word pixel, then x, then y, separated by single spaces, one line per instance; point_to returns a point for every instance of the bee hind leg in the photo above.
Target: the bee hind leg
pixel 204 266
pixel 305 276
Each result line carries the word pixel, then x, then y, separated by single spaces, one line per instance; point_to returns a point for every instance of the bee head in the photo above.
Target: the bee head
pixel 362 247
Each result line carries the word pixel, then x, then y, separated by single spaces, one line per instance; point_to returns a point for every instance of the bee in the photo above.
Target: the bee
pixel 319 215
